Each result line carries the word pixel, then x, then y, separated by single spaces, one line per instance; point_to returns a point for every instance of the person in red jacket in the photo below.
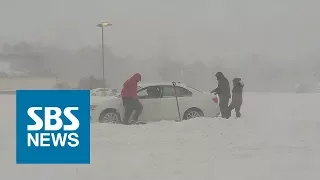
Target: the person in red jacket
pixel 130 98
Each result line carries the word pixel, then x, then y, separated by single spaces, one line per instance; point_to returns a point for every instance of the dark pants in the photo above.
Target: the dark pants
pixel 131 105
pixel 235 105
pixel 223 104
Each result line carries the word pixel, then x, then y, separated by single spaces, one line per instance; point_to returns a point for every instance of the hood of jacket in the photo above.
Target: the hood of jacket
pixel 219 75
pixel 237 81
pixel 130 87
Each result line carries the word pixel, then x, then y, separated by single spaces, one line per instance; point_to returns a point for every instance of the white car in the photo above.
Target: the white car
pixel 159 103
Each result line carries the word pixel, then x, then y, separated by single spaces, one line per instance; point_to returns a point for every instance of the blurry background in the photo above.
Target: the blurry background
pixel 272 45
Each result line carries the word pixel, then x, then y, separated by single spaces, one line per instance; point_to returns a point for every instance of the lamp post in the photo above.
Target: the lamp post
pixel 102 26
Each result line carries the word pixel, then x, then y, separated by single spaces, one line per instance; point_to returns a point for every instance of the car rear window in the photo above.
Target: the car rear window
pixel 195 89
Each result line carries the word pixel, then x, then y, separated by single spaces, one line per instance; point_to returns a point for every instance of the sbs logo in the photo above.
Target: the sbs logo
pixel 53 127
pixel 46 139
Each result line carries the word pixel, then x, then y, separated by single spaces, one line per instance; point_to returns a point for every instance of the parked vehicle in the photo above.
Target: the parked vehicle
pixel 159 105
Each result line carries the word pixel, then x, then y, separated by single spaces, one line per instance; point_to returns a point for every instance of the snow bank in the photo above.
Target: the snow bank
pixel 276 139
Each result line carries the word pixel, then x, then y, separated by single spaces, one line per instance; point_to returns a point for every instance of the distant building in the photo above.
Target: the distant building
pixel 24 62
pixel 24 71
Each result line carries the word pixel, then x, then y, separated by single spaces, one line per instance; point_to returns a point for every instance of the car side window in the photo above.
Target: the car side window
pixel 151 92
pixel 183 92
pixel 168 91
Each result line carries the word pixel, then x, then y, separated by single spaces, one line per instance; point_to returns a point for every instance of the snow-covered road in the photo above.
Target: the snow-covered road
pixel 276 139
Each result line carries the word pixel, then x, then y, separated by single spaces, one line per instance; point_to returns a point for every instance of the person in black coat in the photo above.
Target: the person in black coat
pixel 223 91
pixel 236 96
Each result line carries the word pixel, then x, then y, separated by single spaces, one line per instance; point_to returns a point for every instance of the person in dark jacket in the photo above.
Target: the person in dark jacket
pixel 130 98
pixel 236 96
pixel 223 91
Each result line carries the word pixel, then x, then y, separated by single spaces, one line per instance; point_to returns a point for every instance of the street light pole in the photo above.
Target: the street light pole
pixel 102 25
pixel 102 55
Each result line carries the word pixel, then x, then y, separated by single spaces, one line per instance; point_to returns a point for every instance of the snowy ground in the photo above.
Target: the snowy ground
pixel 277 139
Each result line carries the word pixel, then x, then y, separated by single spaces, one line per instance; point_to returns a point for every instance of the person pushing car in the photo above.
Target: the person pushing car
pixel 223 91
pixel 130 99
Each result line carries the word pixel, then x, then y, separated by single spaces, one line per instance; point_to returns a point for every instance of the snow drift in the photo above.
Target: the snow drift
pixel 276 139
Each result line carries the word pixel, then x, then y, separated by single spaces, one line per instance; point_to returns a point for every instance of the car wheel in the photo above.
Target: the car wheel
pixel 192 113
pixel 110 116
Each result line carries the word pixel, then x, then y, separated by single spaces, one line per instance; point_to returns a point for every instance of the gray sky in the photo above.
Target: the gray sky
pixel 183 29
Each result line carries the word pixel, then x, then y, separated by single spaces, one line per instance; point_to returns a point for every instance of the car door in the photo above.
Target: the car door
pixel 169 103
pixel 151 104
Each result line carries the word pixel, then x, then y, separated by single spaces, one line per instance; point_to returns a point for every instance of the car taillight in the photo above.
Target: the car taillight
pixel 93 107
pixel 215 99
